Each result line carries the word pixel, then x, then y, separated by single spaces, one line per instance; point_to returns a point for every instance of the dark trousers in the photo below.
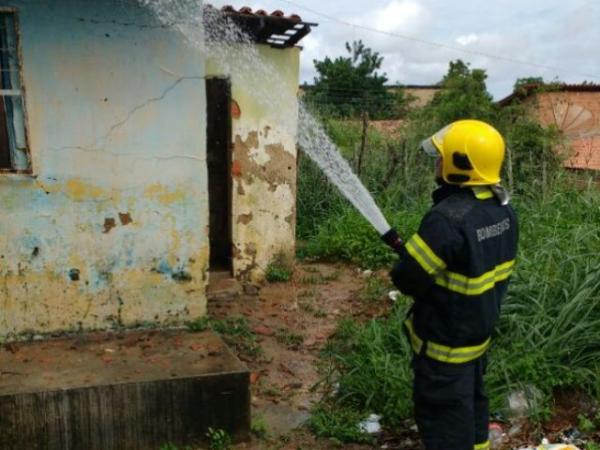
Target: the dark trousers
pixel 451 408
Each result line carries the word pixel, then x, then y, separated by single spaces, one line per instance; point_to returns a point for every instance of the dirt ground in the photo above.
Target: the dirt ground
pixel 293 321
pixel 280 333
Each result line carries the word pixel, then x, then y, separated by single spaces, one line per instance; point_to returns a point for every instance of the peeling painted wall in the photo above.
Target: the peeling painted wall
pixel 112 228
pixel 263 156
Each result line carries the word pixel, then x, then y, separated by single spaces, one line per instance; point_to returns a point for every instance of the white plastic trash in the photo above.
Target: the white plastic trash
pixel 546 446
pixel 371 424
pixel 394 295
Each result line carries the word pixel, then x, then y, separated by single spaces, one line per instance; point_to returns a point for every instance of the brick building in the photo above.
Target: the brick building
pixel 575 110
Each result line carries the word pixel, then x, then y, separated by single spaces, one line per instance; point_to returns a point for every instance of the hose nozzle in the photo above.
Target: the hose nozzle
pixel 392 239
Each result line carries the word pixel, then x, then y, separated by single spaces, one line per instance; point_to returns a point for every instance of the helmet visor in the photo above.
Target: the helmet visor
pixel 429 148
pixel 432 146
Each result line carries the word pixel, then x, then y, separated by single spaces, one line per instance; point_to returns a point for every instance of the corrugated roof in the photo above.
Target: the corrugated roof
pixel 275 29
pixel 533 88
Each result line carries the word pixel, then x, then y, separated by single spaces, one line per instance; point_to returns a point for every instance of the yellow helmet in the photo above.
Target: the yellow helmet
pixel 472 152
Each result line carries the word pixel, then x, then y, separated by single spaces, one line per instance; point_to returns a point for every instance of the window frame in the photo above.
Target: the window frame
pixel 12 171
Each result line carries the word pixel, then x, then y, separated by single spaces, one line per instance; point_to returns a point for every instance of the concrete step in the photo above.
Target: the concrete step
pixel 222 286
pixel 138 391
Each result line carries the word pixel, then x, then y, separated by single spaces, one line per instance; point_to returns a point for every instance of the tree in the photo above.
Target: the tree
pixel 527 81
pixel 349 86
pixel 463 95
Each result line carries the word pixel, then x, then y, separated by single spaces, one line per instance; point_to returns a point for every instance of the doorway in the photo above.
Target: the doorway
pixel 218 156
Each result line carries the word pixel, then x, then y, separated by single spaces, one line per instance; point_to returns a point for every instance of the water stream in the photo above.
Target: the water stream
pixel 231 49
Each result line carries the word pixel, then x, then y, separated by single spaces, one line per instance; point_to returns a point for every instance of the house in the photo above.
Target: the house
pixel 572 108
pixel 419 94
pixel 134 162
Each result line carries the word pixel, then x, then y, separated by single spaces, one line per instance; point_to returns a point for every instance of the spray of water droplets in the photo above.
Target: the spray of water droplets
pixel 231 50
pixel 316 143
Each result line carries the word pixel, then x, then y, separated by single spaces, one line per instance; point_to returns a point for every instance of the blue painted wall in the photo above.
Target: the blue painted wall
pixel 111 229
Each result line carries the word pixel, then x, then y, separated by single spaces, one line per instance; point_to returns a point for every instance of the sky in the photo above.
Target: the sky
pixel 510 39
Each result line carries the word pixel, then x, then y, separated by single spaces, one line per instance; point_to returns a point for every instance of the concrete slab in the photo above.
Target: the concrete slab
pixel 137 390
pixel 222 286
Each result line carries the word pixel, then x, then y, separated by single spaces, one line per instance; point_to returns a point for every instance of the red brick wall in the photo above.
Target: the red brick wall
pixel 577 115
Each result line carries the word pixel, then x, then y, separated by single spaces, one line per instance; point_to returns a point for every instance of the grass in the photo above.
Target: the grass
pixel 375 289
pixel 259 427
pixel 234 330
pixel 280 269
pixel 269 390
pixel 341 424
pixel 289 338
pixel 316 277
pixel 308 305
pixel 547 338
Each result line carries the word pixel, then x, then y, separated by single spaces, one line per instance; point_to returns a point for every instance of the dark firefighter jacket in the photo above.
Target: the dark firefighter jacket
pixel 457 268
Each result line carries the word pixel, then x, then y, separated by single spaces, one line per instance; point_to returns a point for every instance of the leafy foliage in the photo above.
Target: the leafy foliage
pixel 463 96
pixel 218 439
pixel 351 85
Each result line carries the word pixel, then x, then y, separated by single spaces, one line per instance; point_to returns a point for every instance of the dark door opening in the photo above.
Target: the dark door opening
pixel 218 138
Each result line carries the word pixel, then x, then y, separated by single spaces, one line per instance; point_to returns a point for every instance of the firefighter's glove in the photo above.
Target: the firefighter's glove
pixel 392 239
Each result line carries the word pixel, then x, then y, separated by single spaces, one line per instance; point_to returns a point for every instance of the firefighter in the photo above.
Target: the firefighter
pixel 457 268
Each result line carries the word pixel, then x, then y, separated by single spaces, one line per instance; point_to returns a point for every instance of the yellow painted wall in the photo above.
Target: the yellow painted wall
pixel 264 85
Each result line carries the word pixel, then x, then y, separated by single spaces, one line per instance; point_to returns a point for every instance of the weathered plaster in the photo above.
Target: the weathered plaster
pixel 111 229
pixel 264 156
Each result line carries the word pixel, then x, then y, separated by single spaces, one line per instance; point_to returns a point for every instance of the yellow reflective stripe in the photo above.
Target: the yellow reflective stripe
pixel 443 353
pixel 478 285
pixel 415 341
pixel 422 253
pixel 456 355
pixel 483 446
pixel 482 192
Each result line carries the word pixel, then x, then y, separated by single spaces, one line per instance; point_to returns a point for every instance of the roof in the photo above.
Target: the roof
pixel 533 88
pixel 275 29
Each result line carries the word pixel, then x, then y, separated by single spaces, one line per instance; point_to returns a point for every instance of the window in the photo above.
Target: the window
pixel 14 156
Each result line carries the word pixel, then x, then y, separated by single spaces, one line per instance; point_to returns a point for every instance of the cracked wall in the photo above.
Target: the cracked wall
pixel 112 228
pixel 263 155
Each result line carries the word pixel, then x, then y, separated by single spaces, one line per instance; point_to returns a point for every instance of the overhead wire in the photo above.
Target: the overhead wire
pixel 441 45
